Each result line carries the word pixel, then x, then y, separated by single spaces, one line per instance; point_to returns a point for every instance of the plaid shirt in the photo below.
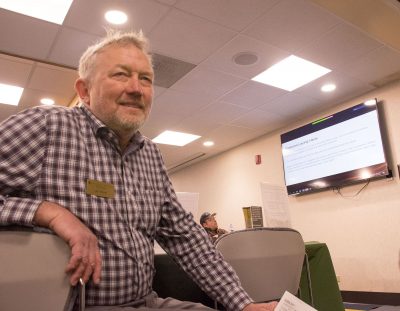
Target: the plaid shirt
pixel 50 153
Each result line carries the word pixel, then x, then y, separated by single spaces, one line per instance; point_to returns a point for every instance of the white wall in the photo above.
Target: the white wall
pixel 362 232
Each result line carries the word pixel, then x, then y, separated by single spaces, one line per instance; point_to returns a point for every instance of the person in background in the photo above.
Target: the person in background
pixel 209 223
pixel 89 175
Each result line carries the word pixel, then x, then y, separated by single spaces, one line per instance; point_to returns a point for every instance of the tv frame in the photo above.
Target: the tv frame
pixel 336 181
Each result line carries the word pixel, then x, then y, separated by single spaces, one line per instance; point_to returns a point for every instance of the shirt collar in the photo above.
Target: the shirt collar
pixel 100 129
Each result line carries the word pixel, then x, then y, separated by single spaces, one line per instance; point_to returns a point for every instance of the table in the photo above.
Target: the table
pixel 171 281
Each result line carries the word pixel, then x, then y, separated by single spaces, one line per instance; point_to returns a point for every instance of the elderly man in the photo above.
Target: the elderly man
pixel 88 174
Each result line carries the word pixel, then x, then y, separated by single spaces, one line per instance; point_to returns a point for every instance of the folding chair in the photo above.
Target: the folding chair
pixel 32 272
pixel 268 261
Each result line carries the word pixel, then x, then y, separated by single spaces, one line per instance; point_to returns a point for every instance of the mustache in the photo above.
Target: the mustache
pixel 132 102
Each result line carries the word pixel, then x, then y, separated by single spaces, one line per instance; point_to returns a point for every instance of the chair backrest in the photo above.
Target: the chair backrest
pixel 32 272
pixel 268 261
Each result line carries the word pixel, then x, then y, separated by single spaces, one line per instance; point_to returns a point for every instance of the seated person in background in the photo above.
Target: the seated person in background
pixel 209 223
pixel 89 175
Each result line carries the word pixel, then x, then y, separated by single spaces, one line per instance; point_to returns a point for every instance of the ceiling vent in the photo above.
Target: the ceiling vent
pixel 186 162
pixel 168 70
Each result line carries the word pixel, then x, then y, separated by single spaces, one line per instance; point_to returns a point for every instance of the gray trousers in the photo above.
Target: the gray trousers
pixel 152 302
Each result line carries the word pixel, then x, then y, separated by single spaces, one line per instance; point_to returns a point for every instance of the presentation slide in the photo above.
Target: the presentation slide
pixel 349 145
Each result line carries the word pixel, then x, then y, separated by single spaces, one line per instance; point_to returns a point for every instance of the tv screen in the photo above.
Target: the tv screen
pixel 336 150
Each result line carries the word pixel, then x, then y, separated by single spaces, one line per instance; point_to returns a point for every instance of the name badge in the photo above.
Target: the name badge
pixel 100 189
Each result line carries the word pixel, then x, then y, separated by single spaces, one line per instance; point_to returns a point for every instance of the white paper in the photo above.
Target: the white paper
pixel 276 205
pixel 289 302
pixel 190 202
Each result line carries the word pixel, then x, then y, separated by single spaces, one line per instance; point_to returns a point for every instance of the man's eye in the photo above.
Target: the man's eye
pixel 120 73
pixel 147 79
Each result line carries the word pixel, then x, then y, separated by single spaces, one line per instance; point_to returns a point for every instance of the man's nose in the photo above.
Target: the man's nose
pixel 134 86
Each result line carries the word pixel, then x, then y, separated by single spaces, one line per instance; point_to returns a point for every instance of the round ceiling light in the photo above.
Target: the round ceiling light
pixel 47 101
pixel 328 87
pixel 245 58
pixel 116 17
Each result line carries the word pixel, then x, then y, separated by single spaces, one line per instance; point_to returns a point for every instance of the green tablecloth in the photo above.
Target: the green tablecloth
pixel 324 285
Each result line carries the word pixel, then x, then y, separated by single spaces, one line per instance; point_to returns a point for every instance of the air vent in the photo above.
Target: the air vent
pixel 168 70
pixel 185 162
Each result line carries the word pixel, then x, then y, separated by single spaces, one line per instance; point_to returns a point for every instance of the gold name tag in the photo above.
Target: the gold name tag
pixel 100 189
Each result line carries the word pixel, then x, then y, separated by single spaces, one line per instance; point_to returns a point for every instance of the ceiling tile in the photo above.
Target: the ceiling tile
pixel 14 71
pixel 30 37
pixel 31 98
pixel 291 105
pixel 54 80
pixel 142 15
pixel 208 83
pixel 346 87
pixel 375 66
pixel 221 112
pixel 223 59
pixel 229 13
pixel 187 37
pixel 252 94
pixel 69 47
pixel 7 111
pixel 260 120
pixel 339 47
pixel 179 103
pixel 291 24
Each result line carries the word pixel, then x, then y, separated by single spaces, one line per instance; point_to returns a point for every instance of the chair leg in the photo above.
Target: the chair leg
pixel 82 289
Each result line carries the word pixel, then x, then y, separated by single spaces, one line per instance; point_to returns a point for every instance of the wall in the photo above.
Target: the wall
pixel 362 232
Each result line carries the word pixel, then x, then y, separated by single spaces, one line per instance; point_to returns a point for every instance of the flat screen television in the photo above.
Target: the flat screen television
pixel 337 150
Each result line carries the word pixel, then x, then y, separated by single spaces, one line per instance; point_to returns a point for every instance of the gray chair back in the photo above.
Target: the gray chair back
pixel 268 261
pixel 32 275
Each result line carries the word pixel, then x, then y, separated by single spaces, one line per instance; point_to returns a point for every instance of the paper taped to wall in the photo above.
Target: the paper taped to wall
pixel 276 205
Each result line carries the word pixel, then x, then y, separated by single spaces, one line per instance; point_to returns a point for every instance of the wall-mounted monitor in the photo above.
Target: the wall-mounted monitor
pixel 340 149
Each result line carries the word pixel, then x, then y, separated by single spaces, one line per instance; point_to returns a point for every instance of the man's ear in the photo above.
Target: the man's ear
pixel 82 89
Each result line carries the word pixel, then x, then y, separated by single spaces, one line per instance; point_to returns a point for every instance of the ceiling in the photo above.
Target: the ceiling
pixel 199 88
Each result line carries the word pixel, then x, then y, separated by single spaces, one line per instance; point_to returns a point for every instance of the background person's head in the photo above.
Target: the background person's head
pixel 116 81
pixel 207 220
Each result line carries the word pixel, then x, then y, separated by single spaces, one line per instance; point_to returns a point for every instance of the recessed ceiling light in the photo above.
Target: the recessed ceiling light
pixel 116 17
pixel 291 73
pixel 48 10
pixel 208 143
pixel 47 101
pixel 175 138
pixel 10 94
pixel 328 87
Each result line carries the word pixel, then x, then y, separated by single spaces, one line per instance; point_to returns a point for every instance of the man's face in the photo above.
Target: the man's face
pixel 210 223
pixel 120 88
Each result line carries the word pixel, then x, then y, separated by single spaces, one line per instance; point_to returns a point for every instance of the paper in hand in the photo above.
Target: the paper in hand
pixel 289 302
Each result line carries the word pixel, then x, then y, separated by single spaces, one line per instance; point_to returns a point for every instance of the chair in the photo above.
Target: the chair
pixel 268 261
pixel 32 275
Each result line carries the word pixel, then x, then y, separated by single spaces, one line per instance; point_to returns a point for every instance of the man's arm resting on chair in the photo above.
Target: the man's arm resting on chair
pixel 270 306
pixel 85 258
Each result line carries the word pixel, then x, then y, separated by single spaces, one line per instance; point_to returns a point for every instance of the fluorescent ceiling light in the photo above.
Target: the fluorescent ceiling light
pixel 10 94
pixel 175 138
pixel 116 17
pixel 53 11
pixel 291 73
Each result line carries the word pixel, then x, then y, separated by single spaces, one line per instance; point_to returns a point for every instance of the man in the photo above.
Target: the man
pixel 210 224
pixel 89 175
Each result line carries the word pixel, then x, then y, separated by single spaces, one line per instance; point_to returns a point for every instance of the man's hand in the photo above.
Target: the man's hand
pixel 85 258
pixel 270 306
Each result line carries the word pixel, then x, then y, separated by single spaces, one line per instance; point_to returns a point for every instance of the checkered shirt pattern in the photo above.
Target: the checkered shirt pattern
pixel 48 153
